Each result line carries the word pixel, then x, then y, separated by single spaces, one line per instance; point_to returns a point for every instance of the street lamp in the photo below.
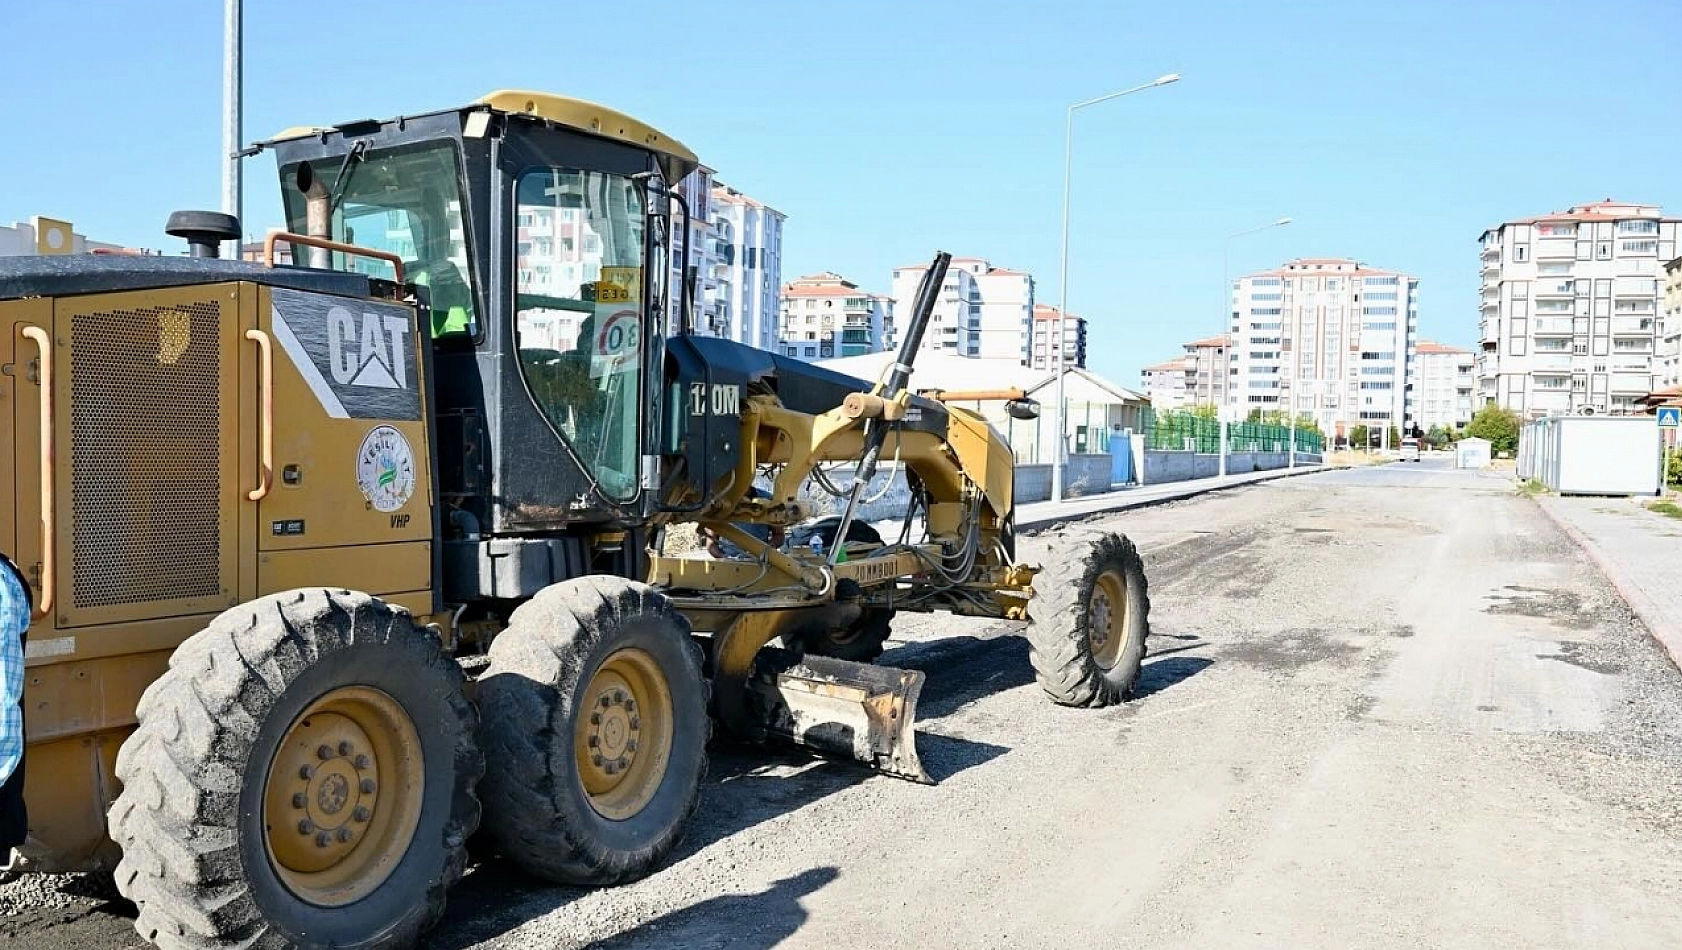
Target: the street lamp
pixel 1059 346
pixel 1226 317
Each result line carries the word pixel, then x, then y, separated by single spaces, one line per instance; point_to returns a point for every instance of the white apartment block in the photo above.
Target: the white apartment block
pixel 1444 378
pixel 1570 306
pixel 744 275
pixel 1326 337
pixel 1170 384
pixel 826 316
pixel 1042 354
pixel 1668 371
pixel 1212 367
pixel 982 311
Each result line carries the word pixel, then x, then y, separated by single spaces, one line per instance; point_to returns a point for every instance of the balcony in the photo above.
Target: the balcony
pixel 1551 326
pixel 1553 288
pixel 1559 364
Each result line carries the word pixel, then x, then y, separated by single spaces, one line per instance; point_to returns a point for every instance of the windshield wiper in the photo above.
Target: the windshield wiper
pixel 347 169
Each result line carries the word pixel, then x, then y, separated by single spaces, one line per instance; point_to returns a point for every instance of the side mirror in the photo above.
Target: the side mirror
pixel 1023 409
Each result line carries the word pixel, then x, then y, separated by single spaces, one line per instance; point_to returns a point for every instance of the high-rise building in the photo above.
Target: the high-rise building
pixel 1570 306
pixel 1171 383
pixel 981 311
pixel 1444 378
pixel 825 316
pixel 1042 354
pixel 1669 365
pixel 1329 338
pixel 743 270
pixel 1212 366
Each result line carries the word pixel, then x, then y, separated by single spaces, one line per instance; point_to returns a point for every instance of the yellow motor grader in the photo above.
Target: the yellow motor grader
pixel 348 553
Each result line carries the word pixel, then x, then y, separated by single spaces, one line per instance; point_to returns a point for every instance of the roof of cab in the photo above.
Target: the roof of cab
pixel 565 111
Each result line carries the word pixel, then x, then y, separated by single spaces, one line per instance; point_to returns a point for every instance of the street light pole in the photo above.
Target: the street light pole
pixel 1226 317
pixel 233 36
pixel 1059 347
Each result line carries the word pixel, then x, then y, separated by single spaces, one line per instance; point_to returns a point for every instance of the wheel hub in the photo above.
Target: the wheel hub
pixel 1107 619
pixel 624 737
pixel 333 832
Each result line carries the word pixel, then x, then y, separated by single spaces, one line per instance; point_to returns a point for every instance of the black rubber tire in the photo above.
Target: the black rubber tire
pixel 864 640
pixel 1059 647
pixel 536 808
pixel 189 819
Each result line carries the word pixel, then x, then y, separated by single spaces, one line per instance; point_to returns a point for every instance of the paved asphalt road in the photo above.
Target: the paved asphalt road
pixel 1384 708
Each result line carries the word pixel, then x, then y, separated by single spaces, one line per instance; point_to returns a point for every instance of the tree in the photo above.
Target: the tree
pixel 1358 437
pixel 1436 437
pixel 1208 411
pixel 1500 426
pixel 1395 437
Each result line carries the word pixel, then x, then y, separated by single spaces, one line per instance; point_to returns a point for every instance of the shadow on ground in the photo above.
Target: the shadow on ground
pixel 738 921
pixel 1158 675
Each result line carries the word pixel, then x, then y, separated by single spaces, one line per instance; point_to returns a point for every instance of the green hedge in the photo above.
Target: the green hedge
pixel 1170 430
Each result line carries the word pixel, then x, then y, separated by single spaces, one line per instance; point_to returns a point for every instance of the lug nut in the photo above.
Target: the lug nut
pixel 324 753
pixel 367 786
pixel 631 705
pixel 624 762
pixel 595 719
pixel 306 772
pixel 631 745
pixel 361 762
pixel 636 722
pixel 361 813
pixel 344 748
pixel 613 767
pixel 306 827
pixel 323 839
pixel 606 700
pixel 596 759
pixel 344 836
pixel 593 742
pixel 300 800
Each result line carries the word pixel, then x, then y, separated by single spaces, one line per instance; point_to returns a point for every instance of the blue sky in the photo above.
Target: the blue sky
pixel 1393 132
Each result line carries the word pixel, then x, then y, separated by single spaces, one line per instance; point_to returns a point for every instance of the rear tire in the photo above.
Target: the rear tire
pixel 595 727
pixel 1091 617
pixel 212 813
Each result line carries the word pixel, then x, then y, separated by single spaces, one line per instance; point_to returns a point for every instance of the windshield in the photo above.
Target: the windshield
pixel 406 201
pixel 580 311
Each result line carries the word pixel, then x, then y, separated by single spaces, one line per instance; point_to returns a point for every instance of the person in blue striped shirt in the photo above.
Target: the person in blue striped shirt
pixel 15 608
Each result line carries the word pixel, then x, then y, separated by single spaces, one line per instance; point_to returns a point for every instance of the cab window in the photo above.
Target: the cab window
pixel 579 292
pixel 406 201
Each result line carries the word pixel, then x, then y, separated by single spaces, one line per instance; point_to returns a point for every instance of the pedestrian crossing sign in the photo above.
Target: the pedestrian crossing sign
pixel 1670 417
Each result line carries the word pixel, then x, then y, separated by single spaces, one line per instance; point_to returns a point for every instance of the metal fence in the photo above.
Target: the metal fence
pixel 1180 430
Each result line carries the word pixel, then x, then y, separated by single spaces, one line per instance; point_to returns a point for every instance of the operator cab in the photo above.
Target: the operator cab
pixel 540 227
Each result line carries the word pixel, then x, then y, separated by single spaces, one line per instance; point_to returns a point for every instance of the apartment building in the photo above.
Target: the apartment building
pixel 982 311
pixel 1569 309
pixel 1043 331
pixel 1171 383
pixel 1668 371
pixel 52 236
pixel 826 316
pixel 741 297
pixel 1212 368
pixel 1444 378
pixel 1327 337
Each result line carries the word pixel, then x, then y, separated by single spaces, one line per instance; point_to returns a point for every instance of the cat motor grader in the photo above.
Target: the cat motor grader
pixel 339 560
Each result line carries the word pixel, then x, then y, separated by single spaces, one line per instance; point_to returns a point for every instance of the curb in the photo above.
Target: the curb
pixel 1125 504
pixel 1666 635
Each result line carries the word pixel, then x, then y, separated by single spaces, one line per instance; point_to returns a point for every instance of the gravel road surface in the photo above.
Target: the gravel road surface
pixel 1383 708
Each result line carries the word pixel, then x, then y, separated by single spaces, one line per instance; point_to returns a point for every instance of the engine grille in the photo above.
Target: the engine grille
pixel 145 430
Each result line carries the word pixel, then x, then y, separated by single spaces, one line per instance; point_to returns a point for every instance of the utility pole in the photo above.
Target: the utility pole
pixel 233 39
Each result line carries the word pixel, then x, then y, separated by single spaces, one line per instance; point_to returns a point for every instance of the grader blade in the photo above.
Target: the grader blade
pixel 851 710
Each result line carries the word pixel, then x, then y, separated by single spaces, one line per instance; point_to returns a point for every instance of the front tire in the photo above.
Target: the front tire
pixel 595 727
pixel 302 776
pixel 1091 617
